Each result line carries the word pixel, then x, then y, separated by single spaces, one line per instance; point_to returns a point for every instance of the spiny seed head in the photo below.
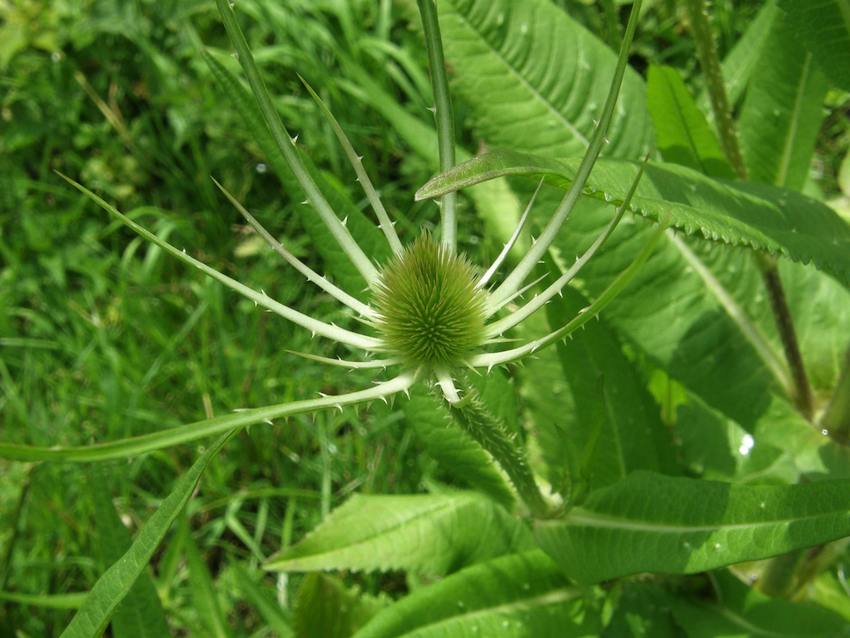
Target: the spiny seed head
pixel 429 311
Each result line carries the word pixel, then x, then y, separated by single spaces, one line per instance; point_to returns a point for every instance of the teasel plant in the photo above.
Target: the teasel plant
pixel 428 315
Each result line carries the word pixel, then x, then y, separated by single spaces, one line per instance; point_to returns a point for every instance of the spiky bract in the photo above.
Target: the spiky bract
pixel 429 310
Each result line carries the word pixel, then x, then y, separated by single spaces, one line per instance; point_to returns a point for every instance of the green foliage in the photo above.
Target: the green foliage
pixel 140 614
pixel 457 453
pixel 681 131
pixel 654 523
pixel 783 110
pixel 325 607
pixel 430 534
pixel 117 581
pixel 516 595
pixel 824 27
pixel 617 427
pixel 553 112
pixel 770 219
pixel 110 350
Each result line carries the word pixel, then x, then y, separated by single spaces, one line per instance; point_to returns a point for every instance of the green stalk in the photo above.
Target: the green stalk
pixel 710 63
pixel 477 421
pixel 444 115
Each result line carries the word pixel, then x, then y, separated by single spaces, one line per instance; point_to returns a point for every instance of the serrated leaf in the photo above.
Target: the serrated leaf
pixel 514 596
pixel 550 76
pixel 682 133
pixel 431 534
pixel 630 436
pixel 325 607
pixel 116 582
pixel 140 614
pixel 457 453
pixel 763 217
pixel 782 112
pixel 824 27
pixel 655 523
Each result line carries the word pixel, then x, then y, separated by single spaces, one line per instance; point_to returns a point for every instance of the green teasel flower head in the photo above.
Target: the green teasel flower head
pixel 430 312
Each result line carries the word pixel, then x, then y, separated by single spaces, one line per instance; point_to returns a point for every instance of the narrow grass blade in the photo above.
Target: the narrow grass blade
pixel 204 597
pixel 285 143
pixel 506 356
pixel 362 177
pixel 529 261
pixel 133 446
pixel 261 299
pixel 263 599
pixel 45 601
pixel 311 275
pixel 111 588
pixel 555 288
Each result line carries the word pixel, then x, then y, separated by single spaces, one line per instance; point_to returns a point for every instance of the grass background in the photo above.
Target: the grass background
pixel 102 337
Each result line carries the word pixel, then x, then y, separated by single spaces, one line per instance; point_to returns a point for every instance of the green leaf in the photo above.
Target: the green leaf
pixel 140 613
pixel 514 596
pixel 431 534
pixel 782 112
pixel 204 598
pixel 714 447
pixel 116 582
pixel 682 133
pixel 824 27
pixel 605 385
pixel 739 65
pixel 769 219
pixel 550 76
pixel 743 611
pixel 325 607
pixel 641 610
pixel 655 523
pixel 456 452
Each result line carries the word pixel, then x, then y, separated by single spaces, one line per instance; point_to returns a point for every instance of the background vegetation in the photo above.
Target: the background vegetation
pixel 102 336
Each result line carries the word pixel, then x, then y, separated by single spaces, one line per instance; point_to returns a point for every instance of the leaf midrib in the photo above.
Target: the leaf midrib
pixel 523 82
pixel 582 517
pixel 794 123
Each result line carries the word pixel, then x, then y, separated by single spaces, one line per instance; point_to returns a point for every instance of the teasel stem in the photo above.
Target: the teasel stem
pixel 474 418
pixel 710 63
pixel 444 116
